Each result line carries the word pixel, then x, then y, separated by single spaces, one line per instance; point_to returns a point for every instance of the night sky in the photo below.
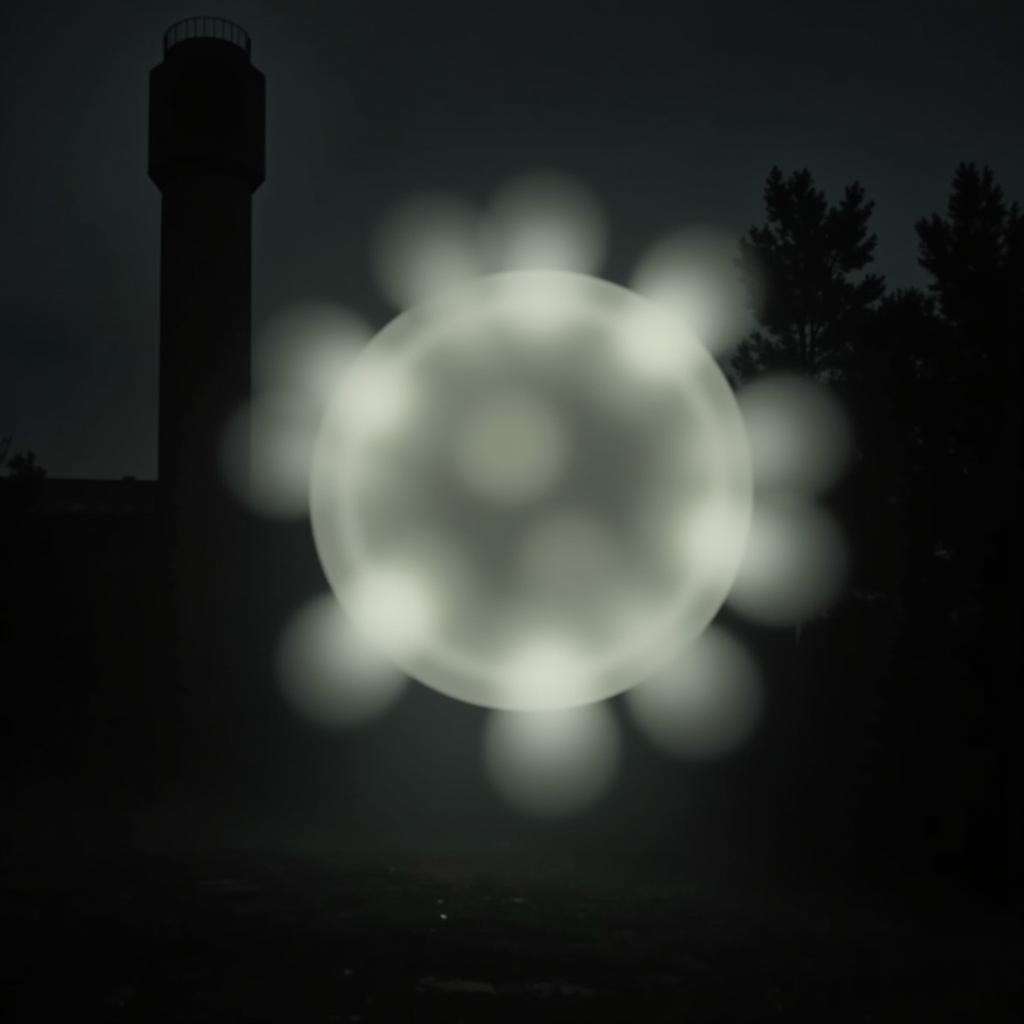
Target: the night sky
pixel 672 113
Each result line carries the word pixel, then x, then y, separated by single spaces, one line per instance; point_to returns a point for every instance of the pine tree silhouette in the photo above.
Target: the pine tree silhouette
pixel 806 256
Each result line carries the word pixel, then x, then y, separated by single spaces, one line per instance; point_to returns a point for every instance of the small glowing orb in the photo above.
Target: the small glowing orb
pixel 703 704
pixel 795 562
pixel 266 450
pixel 535 306
pixel 426 247
pixel 545 670
pixel 528 485
pixel 394 608
pixel 552 763
pixel 799 433
pixel 307 350
pixel 694 276
pixel 649 347
pixel 329 672
pixel 378 397
pixel 544 221
pixel 300 362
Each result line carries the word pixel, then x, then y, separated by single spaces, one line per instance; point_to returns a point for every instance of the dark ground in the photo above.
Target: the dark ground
pixel 854 864
pixel 159 929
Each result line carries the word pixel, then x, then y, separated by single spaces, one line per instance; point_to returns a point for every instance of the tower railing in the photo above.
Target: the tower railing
pixel 207 28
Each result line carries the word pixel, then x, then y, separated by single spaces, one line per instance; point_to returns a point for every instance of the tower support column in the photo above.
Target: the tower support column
pixel 206 155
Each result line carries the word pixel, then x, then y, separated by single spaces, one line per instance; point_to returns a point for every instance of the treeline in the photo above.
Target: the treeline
pixel 20 465
pixel 929 377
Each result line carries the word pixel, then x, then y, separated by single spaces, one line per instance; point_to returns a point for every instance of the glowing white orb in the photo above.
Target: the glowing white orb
pixel 517 488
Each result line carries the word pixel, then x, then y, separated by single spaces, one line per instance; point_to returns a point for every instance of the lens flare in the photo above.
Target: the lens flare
pixel 795 562
pixel 545 221
pixel 705 703
pixel 266 454
pixel 534 490
pixel 706 540
pixel 537 307
pixel 329 673
pixel 394 608
pixel 552 763
pixel 301 362
pixel 307 351
pixel 649 347
pixel 545 670
pixel 379 398
pixel 694 275
pixel 426 248
pixel 511 451
pixel 799 434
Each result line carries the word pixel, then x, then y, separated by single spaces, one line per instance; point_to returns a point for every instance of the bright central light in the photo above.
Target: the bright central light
pixel 584 480
pixel 533 491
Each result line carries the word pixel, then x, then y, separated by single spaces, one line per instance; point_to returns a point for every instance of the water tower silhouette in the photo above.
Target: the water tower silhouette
pixel 206 155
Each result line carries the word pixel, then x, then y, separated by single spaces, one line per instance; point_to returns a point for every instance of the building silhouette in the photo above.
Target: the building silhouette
pixel 130 598
pixel 206 155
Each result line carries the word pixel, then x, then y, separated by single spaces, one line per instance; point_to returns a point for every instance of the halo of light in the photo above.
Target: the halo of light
pixel 545 669
pixel 266 454
pixel 329 673
pixel 307 350
pixel 393 607
pixel 694 275
pixel 799 433
pixel 705 703
pixel 794 565
pixel 426 247
pixel 648 349
pixel 535 306
pixel 545 221
pixel 552 763
pixel 377 396
pixel 462 353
